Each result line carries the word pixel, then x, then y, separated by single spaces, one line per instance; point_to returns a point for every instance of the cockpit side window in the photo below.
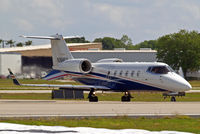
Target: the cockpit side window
pixel 158 70
pixel 170 69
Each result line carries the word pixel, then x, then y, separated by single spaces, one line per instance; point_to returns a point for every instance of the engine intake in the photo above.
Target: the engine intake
pixel 75 65
pixel 86 66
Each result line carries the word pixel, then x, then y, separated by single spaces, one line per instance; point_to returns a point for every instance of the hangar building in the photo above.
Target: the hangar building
pixel 38 58
pixel 10 60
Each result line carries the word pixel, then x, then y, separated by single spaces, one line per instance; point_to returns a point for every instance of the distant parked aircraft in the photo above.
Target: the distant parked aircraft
pixel 110 74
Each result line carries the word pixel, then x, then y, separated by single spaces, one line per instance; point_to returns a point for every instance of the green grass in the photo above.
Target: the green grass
pixel 195 83
pixel 145 96
pixel 178 123
pixel 26 96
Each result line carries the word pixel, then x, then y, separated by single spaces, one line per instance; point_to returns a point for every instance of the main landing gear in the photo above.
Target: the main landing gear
pixel 173 98
pixel 173 95
pixel 92 97
pixel 127 97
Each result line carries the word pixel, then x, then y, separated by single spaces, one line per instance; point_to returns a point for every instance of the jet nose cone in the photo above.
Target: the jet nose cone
pixel 184 85
pixel 188 86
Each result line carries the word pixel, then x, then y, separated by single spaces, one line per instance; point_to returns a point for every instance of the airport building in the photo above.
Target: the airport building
pixel 10 60
pixel 36 60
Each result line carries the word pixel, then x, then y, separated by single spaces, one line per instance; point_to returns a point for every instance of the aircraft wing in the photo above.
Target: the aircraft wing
pixel 82 87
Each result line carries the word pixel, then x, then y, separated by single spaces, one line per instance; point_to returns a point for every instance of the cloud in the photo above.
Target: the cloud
pixel 114 13
pixel 141 20
pixel 192 8
pixel 5 5
pixel 47 8
pixel 24 25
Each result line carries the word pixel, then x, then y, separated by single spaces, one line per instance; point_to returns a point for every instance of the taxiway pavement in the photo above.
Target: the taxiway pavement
pixel 46 108
pixel 49 91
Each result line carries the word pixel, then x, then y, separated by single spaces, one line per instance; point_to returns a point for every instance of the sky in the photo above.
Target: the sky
pixel 139 19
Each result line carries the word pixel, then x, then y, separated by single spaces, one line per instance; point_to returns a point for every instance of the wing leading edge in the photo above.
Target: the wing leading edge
pixel 82 87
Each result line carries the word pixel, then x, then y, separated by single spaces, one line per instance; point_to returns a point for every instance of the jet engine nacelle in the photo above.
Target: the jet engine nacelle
pixel 75 65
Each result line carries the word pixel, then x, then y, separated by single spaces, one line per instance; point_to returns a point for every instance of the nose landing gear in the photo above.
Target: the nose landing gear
pixel 127 97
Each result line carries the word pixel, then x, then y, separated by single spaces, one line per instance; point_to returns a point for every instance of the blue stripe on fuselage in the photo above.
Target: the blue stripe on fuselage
pixel 53 72
pixel 116 83
pixel 126 85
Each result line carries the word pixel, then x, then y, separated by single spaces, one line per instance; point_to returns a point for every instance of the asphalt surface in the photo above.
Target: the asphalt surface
pixel 49 91
pixel 44 108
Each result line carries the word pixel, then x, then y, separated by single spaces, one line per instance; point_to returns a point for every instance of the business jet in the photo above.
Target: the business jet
pixel 109 74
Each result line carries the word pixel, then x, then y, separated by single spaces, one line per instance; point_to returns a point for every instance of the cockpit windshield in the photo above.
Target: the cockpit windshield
pixel 159 69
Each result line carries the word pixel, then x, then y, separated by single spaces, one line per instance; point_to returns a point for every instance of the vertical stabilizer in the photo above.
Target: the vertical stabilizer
pixel 60 51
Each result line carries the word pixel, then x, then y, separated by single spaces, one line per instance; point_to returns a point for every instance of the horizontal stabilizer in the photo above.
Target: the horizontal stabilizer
pixel 50 37
pixel 41 37
pixel 15 81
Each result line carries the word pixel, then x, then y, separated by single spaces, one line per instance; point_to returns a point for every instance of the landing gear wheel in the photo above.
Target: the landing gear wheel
pixel 173 99
pixel 93 99
pixel 125 99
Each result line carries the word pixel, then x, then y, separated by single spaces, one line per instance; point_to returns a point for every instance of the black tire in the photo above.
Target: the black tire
pixel 128 99
pixel 173 99
pixel 93 99
pixel 125 99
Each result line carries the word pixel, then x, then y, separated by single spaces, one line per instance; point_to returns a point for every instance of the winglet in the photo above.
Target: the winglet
pixel 15 81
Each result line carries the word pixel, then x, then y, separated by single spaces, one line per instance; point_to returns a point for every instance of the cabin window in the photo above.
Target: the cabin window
pixel 115 73
pixel 138 73
pixel 126 73
pixel 158 70
pixel 120 72
pixel 108 72
pixel 132 73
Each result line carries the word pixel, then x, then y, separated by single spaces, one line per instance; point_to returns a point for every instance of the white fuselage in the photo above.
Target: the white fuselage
pixel 138 73
pixel 127 76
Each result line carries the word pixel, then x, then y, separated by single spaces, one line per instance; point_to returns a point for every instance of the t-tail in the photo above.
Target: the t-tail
pixel 62 57
pixel 60 50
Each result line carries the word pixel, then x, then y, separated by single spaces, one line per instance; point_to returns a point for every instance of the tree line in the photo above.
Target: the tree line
pixel 12 43
pixel 181 49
